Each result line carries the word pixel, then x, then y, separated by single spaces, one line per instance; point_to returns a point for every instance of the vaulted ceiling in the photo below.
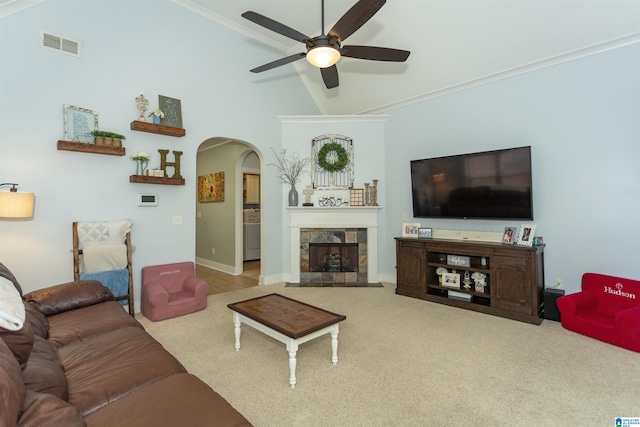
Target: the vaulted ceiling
pixel 454 44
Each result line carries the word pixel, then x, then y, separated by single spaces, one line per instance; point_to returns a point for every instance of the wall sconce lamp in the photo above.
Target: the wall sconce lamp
pixel 14 204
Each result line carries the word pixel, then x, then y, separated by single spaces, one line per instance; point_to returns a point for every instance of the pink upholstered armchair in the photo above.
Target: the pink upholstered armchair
pixel 607 309
pixel 172 290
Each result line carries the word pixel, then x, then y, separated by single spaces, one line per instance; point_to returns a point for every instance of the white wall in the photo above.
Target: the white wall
pixel 128 48
pixel 582 120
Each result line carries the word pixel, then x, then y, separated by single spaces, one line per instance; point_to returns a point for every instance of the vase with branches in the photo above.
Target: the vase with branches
pixel 290 168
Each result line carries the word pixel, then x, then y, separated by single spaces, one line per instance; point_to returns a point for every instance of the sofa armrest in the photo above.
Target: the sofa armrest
pixel 575 303
pixel 69 296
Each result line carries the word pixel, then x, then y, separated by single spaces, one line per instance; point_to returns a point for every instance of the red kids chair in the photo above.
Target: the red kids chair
pixel 607 309
pixel 172 290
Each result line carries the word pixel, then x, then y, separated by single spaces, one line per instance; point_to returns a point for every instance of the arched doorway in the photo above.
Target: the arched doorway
pixel 220 226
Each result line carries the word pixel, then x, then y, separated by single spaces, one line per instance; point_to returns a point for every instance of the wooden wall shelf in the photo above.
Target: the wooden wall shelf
pixel 86 147
pixel 160 129
pixel 143 179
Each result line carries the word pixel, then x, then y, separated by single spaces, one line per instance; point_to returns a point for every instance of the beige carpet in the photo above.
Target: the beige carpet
pixel 406 362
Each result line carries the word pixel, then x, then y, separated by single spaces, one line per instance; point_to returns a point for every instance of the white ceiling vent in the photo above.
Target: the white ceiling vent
pixel 61 44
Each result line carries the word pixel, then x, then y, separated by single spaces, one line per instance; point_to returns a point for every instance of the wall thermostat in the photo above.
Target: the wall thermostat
pixel 147 199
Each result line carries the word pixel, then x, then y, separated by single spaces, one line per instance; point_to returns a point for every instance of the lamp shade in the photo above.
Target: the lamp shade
pixel 14 204
pixel 323 56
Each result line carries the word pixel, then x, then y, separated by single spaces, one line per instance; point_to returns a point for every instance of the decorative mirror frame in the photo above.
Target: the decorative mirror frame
pixel 323 179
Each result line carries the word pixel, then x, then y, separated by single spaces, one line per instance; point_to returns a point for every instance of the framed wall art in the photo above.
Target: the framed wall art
pixel 79 123
pixel 332 162
pixel 211 187
pixel 526 235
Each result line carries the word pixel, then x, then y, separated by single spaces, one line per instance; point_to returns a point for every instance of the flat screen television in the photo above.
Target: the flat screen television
pixel 485 185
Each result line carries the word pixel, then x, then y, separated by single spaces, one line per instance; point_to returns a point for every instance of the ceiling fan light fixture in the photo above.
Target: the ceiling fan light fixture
pixel 323 56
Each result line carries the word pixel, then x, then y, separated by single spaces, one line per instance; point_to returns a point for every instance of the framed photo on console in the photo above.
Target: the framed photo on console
pixel 451 280
pixel 526 235
pixel 410 229
pixel 424 233
pixel 510 235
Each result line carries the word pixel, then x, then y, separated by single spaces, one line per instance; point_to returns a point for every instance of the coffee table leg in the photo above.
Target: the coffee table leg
pixel 334 344
pixel 292 348
pixel 236 322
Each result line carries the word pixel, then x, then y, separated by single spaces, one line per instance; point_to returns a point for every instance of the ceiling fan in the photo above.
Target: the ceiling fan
pixel 324 51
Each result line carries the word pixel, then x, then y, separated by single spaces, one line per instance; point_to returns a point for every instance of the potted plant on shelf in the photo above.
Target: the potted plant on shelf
pixel 440 271
pixel 110 139
pixel 290 169
pixel 156 114
pixel 142 161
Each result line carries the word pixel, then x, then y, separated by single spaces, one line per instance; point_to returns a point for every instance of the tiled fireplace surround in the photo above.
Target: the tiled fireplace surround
pixel 334 225
pixel 333 237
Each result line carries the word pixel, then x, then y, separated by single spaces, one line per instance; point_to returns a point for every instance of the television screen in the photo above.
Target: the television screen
pixel 487 185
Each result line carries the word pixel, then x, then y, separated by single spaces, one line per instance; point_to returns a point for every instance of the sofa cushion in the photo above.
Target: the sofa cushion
pixel 155 405
pixel 68 296
pixel 103 368
pixel 76 325
pixel 12 389
pixel 47 410
pixel 37 320
pixel 19 342
pixel 44 372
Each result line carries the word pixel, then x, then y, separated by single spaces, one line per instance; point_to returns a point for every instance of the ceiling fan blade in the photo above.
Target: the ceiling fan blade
pixel 279 62
pixel 355 18
pixel 375 53
pixel 272 25
pixel 330 76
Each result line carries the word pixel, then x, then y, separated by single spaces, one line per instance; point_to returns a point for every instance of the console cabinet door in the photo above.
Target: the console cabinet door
pixel 412 267
pixel 512 283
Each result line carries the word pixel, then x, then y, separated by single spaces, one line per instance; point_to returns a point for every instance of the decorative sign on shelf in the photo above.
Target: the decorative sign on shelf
pixel 172 110
pixel 460 261
pixel 79 123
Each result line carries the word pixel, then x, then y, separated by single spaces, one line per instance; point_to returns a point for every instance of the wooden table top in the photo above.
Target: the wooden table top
pixel 292 318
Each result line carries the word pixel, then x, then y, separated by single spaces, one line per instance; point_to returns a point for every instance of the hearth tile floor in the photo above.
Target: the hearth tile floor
pixel 332 285
pixel 220 282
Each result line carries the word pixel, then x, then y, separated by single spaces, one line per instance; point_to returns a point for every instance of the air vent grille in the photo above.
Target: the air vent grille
pixel 61 44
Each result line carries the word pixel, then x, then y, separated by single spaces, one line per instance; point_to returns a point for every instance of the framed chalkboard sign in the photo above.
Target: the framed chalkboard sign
pixel 172 111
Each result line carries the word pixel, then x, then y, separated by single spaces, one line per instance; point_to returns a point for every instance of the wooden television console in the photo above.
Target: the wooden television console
pixel 514 276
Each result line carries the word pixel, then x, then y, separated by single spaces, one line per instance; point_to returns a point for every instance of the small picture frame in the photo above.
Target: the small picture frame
pixel 424 233
pixel 526 235
pixel 509 236
pixel 451 280
pixel 410 229
pixel 79 123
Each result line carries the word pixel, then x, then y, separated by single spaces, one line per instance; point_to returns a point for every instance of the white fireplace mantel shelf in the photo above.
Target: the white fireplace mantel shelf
pixel 319 217
pixel 335 217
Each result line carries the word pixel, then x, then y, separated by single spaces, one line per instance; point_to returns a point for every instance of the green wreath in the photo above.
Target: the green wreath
pixel 340 163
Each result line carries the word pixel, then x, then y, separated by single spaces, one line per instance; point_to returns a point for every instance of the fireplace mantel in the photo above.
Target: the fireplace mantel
pixel 347 217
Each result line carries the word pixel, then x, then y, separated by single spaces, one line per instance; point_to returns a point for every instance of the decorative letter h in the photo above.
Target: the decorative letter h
pixel 176 164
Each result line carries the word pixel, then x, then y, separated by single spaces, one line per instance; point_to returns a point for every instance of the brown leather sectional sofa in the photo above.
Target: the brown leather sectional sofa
pixel 80 359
